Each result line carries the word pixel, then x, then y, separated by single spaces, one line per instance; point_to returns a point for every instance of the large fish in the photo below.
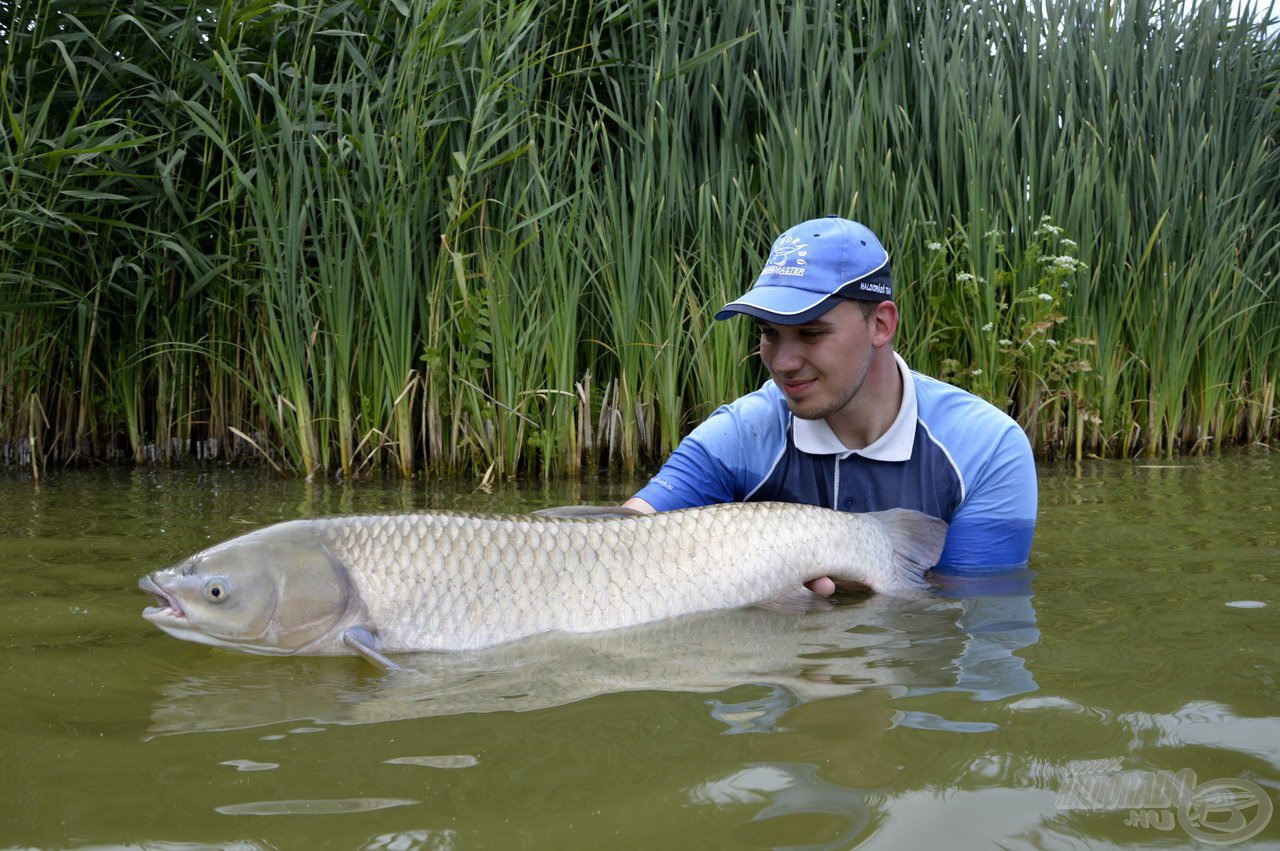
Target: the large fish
pixel 454 581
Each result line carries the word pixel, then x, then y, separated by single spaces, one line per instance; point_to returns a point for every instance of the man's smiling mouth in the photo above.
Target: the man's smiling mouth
pixel 794 388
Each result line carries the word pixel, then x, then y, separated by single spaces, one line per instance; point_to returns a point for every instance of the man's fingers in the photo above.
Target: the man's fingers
pixel 822 585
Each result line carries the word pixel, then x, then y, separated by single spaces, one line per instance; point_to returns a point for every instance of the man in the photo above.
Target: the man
pixel 844 423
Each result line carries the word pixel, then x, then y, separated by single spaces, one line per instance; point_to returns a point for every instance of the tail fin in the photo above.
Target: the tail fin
pixel 917 541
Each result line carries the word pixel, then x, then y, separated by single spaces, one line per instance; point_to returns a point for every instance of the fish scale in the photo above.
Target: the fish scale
pixel 476 574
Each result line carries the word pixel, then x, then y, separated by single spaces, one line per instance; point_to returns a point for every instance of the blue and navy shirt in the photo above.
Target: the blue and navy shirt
pixel 948 454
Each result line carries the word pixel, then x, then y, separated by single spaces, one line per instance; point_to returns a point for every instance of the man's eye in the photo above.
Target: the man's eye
pixel 812 333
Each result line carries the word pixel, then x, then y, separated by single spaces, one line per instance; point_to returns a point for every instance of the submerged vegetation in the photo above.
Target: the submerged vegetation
pixel 488 235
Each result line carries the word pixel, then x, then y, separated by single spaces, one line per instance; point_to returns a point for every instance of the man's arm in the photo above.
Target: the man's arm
pixel 993 528
pixel 699 472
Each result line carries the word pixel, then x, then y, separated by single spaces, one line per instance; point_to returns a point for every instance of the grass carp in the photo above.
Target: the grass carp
pixel 456 581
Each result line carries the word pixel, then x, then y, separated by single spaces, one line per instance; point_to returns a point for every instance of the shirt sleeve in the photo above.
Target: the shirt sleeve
pixel 691 476
pixel 994 525
pixel 723 458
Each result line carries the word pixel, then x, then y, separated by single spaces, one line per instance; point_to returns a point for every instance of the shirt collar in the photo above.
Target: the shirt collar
pixel 815 437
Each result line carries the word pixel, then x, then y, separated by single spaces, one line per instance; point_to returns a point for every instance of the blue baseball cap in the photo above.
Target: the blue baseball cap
pixel 811 267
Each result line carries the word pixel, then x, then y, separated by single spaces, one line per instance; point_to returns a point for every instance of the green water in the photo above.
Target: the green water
pixel 1145 641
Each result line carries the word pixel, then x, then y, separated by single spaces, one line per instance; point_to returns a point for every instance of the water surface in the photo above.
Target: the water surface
pixel 1142 641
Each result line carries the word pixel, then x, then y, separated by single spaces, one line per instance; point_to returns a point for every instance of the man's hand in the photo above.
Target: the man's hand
pixel 823 586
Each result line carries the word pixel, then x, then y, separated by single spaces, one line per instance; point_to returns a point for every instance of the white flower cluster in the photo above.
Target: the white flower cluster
pixel 934 246
pixel 1063 262
pixel 1047 228
pixel 965 277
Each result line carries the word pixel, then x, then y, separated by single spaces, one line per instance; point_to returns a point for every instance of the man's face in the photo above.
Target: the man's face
pixel 820 366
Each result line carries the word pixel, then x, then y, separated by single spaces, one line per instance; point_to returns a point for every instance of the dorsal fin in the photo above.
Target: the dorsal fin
pixel 588 511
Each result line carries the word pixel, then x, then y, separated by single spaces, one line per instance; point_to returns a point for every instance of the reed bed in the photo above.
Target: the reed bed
pixel 487 236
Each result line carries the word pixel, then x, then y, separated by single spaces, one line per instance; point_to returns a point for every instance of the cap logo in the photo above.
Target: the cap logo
pixel 787 257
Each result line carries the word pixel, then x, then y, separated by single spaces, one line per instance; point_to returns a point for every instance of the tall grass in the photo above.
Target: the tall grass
pixel 487 236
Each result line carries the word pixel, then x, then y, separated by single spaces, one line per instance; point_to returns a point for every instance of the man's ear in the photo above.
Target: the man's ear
pixel 884 323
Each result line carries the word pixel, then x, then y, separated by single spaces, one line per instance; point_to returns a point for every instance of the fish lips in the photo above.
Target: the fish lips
pixel 166 608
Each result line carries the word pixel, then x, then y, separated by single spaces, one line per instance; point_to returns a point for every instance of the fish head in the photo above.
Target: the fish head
pixel 276 591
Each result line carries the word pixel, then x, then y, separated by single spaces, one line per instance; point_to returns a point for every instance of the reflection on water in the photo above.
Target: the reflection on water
pixel 442 761
pixel 817 684
pixel 334 806
pixel 794 659
pixel 794 806
pixel 1143 643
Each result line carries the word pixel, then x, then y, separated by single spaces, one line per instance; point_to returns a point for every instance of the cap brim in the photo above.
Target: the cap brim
pixel 780 305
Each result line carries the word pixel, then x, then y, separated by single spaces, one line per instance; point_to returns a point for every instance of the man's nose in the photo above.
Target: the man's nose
pixel 787 356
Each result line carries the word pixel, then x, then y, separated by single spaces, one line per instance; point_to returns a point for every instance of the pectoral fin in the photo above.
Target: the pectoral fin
pixel 362 641
pixel 798 602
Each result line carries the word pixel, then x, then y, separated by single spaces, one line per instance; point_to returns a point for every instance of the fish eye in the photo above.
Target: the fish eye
pixel 215 591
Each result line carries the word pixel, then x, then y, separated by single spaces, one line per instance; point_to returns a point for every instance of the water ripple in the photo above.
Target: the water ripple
pixel 313 807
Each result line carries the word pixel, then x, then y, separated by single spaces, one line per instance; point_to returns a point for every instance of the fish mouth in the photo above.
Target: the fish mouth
pixel 166 607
